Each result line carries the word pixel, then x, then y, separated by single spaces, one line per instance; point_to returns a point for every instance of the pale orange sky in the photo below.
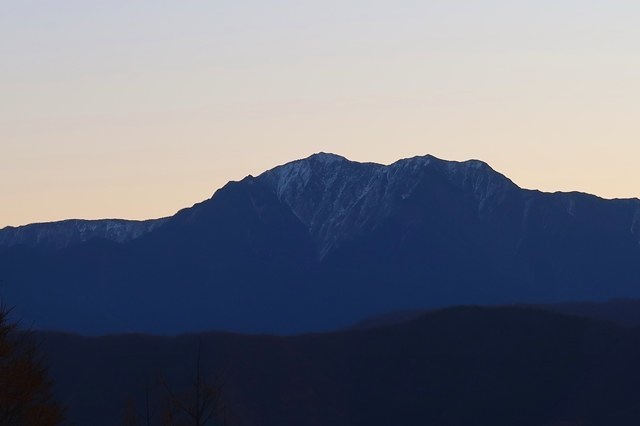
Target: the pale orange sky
pixel 137 109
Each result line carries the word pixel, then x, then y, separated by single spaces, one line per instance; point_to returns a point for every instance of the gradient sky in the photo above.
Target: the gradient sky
pixel 136 109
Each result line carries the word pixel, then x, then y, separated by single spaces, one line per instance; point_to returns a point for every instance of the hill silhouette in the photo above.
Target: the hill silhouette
pixel 457 366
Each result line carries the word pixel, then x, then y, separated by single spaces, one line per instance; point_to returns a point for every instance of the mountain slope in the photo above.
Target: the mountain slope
pixel 320 243
pixel 338 200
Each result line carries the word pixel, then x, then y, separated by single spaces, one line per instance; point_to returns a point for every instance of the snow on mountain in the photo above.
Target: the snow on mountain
pixel 62 234
pixel 338 199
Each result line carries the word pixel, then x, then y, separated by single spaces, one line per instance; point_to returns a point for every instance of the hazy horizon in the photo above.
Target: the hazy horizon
pixel 137 109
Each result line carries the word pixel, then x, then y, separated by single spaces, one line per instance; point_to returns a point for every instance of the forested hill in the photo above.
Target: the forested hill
pixel 458 366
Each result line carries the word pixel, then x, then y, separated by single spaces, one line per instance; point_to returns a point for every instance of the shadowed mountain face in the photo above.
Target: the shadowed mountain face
pixel 460 366
pixel 323 242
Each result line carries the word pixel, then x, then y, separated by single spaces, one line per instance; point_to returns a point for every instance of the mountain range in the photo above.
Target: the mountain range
pixel 320 243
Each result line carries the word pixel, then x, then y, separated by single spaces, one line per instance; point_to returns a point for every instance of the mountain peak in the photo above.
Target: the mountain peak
pixel 325 157
pixel 337 199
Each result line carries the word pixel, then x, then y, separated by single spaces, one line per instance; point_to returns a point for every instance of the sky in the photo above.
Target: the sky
pixel 136 109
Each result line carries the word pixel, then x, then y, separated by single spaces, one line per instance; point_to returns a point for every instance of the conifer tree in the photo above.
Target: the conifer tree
pixel 25 389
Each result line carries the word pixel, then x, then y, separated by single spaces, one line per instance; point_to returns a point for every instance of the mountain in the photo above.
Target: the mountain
pixel 338 200
pixel 458 366
pixel 66 233
pixel 320 243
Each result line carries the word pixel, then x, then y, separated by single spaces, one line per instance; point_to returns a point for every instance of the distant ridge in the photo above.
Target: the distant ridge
pixel 66 233
pixel 622 312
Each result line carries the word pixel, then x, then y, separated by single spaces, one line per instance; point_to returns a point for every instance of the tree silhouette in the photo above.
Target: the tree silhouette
pixel 25 389
pixel 200 404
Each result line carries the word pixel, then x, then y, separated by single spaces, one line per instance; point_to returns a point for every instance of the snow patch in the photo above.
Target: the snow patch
pixel 338 200
pixel 59 235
